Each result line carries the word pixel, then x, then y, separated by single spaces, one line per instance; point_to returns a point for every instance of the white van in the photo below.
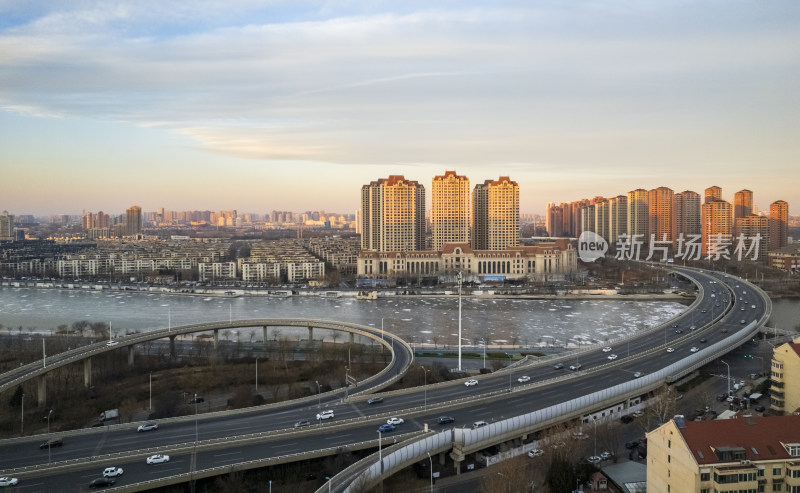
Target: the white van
pixel 479 424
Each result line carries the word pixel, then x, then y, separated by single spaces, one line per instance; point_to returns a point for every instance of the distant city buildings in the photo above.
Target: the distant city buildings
pixel 133 221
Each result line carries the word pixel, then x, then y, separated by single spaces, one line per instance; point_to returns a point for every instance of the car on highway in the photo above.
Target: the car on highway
pixel 612 357
pixel 471 382
pixel 326 414
pixel 523 379
pixel 702 311
pixel 537 452
pixel 575 367
pixel 386 428
pixel 375 400
pixel 674 326
pixel 112 343
pixel 147 427
pixel 394 421
pixel 479 424
pixel 724 331
pixel 694 349
pixel 607 349
pixel 742 322
pixel 53 442
pixel 692 327
pixel 637 374
pixel 101 483
pixel 8 481
pixel 679 331
pixel 443 420
pixel 558 366
pixel 302 423
pixel 670 349
pixel 112 472
pixel 703 340
pixel 157 459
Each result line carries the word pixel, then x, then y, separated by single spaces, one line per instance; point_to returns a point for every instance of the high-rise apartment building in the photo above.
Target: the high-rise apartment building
pixel 133 221
pixel 496 214
pixel 661 216
pixel 6 226
pixel 617 218
pixel 587 218
pixel 638 215
pixel 687 214
pixel 785 378
pixel 554 220
pixel 750 453
pixel 779 224
pixel 450 209
pixel 393 215
pixel 601 218
pixel 742 204
pixel 567 225
pixel 752 227
pixel 712 193
pixel 717 225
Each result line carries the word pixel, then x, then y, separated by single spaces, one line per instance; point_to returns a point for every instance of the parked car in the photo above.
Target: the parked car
pixel 157 459
pixel 302 423
pixel 626 419
pixel 523 379
pixel 760 409
pixel 471 382
pixel 101 483
pixel 594 459
pixel 112 472
pixel 147 427
pixel 443 420
pixel 606 455
pixel 386 428
pixel 375 400
pixel 8 481
pixel 326 414
pixel 395 421
pixel 535 453
pixel 53 442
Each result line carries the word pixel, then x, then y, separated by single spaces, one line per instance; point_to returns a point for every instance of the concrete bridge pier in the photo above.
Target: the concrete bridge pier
pixel 87 372
pixel 41 390
pixel 172 346
pixel 131 352
pixel 216 338
pixel 311 334
pixel 265 335
pixel 352 338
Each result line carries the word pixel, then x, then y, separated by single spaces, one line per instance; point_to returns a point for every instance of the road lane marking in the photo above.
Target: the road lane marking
pixel 229 453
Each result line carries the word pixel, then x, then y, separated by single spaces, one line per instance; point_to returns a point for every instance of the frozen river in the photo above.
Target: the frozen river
pixel 416 319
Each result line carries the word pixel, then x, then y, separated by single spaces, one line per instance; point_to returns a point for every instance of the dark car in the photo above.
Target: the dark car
pixel 375 400
pixel 558 366
pixel 626 419
pixel 760 409
pixel 302 423
pixel 53 442
pixel 443 420
pixel 101 483
pixel 386 428
pixel 197 400
pixel 703 340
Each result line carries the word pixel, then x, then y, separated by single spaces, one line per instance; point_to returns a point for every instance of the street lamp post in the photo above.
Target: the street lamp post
pixel 460 278
pixel 425 386
pixel 595 436
pixel 380 453
pixel 256 375
pixel 49 438
pixel 195 419
pixel 319 396
pixel 729 376
pixel 329 483
pixel 151 391
pixel 431 461
pixel 484 352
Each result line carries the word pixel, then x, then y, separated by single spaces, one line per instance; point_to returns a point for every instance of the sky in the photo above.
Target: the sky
pixel 294 105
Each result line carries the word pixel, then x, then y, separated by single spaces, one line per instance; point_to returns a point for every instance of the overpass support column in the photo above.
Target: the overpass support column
pixel 130 356
pixel 216 338
pixel 265 335
pixel 352 338
pixel 311 334
pixel 87 372
pixel 41 387
pixel 172 346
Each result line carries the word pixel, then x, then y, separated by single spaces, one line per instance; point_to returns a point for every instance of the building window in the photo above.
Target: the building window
pixel 669 459
pixel 776 487
pixel 705 476
pixel 777 471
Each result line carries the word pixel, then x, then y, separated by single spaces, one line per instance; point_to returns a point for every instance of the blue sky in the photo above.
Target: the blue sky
pixel 294 105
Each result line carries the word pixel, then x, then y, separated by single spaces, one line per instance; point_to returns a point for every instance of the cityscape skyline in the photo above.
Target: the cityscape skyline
pixel 240 105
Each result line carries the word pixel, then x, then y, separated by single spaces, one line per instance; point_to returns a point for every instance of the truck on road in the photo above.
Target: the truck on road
pixel 109 415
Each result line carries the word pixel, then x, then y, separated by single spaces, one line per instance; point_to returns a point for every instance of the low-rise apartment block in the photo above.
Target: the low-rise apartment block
pixel 785 378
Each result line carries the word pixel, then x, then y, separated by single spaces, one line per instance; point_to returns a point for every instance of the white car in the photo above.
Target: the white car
pixel 606 349
pixel 112 472
pixel 147 427
pixel 669 349
pixel 327 414
pixel 605 455
pixel 535 453
pixel 612 357
pixel 523 379
pixel 112 343
pixel 395 421
pixel 470 383
pixel 694 349
pixel 157 459
pixel 637 374
pixel 6 481
pixel 594 459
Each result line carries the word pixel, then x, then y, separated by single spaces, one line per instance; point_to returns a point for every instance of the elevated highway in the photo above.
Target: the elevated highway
pixel 240 441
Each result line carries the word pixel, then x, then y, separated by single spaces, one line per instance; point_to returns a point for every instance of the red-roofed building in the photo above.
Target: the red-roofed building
pixel 747 454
